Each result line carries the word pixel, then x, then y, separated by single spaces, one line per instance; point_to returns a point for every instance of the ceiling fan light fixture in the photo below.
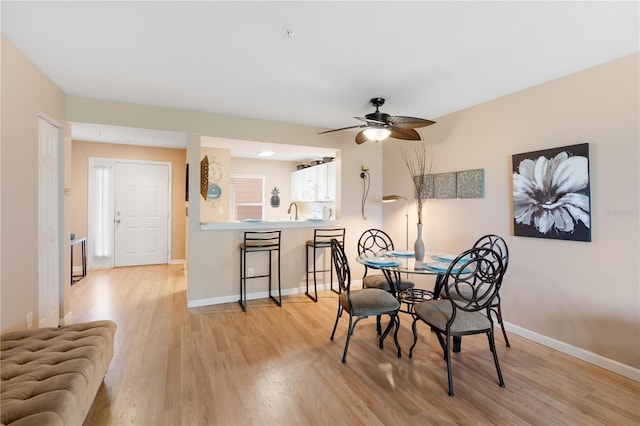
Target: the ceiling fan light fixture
pixel 377 134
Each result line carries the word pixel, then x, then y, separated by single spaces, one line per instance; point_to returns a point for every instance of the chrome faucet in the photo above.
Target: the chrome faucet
pixel 289 211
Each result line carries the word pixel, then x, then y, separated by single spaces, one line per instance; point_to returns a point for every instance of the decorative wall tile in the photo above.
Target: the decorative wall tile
pixel 428 185
pixel 471 183
pixel 445 185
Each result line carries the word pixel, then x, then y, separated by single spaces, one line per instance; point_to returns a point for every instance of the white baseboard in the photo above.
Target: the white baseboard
pixel 66 320
pixel 78 269
pixel 584 355
pixel 261 295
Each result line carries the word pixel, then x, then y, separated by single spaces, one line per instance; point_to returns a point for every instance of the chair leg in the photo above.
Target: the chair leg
pixel 394 320
pixel 448 358
pixel 352 325
pixel 443 344
pixel 270 274
pixel 378 324
pixel 457 344
pixel 504 332
pixel 395 335
pixel 307 275
pixel 335 325
pixel 386 333
pixel 278 301
pixel 492 347
pixel 414 328
pixel 315 280
pixel 279 280
pixel 243 281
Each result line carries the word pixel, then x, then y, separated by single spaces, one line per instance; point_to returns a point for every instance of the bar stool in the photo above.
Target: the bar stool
pixel 258 241
pixel 321 241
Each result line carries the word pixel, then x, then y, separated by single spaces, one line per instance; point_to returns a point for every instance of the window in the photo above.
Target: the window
pixel 101 185
pixel 247 197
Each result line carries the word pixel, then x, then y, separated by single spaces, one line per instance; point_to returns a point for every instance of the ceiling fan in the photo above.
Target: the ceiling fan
pixel 379 125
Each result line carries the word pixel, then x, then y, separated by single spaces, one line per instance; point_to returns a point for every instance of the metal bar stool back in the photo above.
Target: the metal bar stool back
pixel 259 241
pixel 321 241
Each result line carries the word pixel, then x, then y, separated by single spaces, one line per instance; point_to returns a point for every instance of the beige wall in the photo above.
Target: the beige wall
pixel 26 93
pixel 81 151
pixel 580 295
pixel 585 295
pixel 212 277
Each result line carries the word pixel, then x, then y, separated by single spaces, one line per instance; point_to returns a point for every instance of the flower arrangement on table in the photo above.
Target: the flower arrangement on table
pixel 418 170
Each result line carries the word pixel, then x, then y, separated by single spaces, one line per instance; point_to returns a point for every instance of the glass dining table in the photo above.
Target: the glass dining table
pixel 396 264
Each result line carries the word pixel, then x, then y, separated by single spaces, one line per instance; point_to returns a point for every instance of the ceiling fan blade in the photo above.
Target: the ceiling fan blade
pixel 368 120
pixel 406 134
pixel 401 122
pixel 361 138
pixel 343 128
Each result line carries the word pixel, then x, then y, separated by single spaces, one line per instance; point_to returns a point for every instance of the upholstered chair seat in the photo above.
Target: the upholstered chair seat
pixel 369 300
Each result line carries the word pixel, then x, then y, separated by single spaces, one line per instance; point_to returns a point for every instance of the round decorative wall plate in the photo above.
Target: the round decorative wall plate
pixel 214 192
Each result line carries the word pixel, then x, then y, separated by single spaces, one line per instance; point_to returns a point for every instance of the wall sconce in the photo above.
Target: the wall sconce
pixel 366 182
pixel 393 199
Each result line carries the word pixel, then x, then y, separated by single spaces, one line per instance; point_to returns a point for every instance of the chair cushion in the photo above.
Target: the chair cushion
pixel 369 301
pixel 379 281
pixel 376 281
pixel 438 312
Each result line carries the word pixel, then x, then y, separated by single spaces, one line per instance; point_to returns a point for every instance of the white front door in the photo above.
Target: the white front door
pixel 48 236
pixel 141 214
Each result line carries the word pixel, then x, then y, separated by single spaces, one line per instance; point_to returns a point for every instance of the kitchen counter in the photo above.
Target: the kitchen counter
pixel 270 224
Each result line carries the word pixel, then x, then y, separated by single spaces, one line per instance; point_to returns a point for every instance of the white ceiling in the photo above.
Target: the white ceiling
pixel 314 63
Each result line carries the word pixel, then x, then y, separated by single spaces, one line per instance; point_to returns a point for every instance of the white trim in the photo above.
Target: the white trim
pixel 582 354
pixel 66 320
pixel 263 294
pixel 177 262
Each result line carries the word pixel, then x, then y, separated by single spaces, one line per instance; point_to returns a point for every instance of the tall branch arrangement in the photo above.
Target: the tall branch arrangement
pixel 417 166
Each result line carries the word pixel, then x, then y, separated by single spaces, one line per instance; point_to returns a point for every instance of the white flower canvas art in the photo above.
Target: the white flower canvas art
pixel 551 193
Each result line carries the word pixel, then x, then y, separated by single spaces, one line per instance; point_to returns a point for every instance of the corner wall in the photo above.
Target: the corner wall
pixel 26 93
pixel 582 296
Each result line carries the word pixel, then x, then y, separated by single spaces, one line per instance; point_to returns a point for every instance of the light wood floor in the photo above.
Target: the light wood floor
pixel 219 366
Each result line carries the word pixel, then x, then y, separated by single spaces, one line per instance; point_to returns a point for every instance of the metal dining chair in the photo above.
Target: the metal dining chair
pixel 361 303
pixel 370 244
pixel 471 284
pixel 497 244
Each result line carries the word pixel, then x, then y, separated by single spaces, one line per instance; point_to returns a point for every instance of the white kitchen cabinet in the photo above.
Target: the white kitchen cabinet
pixel 303 184
pixel 316 183
pixel 326 182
